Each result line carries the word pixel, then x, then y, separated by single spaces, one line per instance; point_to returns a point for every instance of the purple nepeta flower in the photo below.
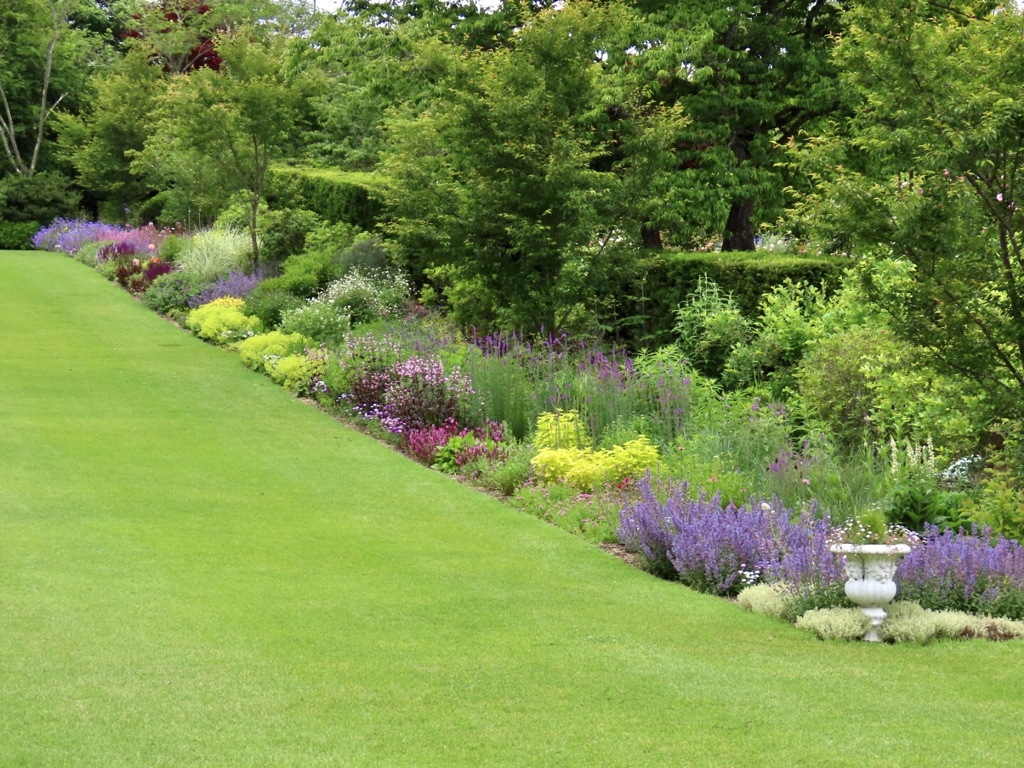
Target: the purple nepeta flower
pixel 969 571
pixel 234 283
pixel 720 549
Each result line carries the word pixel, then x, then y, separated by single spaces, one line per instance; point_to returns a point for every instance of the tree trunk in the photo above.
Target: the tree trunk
pixel 651 237
pixel 253 231
pixel 739 229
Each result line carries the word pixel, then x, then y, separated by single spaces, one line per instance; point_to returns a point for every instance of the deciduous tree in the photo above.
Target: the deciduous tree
pixel 924 185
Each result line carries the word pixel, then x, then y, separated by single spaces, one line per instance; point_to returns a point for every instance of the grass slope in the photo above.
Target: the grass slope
pixel 196 569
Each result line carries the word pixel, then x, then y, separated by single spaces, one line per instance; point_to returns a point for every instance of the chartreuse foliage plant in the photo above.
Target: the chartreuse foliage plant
pixel 222 321
pixel 586 468
pixel 263 348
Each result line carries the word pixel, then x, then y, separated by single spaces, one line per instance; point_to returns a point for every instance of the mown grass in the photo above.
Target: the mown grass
pixel 197 569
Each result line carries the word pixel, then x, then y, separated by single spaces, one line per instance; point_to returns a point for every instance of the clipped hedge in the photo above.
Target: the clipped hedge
pixel 337 196
pixel 17 235
pixel 670 277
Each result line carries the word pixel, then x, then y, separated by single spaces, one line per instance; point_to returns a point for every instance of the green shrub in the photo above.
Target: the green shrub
pixel 999 506
pixel 834 381
pixel 269 304
pixel 708 325
pixel 283 233
pixel 789 319
pixel 41 197
pixel 256 351
pixel 670 277
pixel 334 238
pixel 319 320
pixel 169 294
pixel 172 247
pixel 222 321
pixel 17 235
pixel 304 274
pixel 506 475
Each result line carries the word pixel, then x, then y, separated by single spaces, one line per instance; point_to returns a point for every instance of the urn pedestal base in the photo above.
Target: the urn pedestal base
pixel 870 569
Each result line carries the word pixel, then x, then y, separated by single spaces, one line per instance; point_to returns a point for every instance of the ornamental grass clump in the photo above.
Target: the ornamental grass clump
pixel 212 253
pixel 721 550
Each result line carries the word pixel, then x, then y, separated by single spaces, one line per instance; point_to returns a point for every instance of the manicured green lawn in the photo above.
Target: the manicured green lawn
pixel 197 569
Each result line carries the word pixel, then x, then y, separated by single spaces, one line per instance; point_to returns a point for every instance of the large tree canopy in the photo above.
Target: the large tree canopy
pixel 43 61
pixel 516 178
pixel 925 189
pixel 749 75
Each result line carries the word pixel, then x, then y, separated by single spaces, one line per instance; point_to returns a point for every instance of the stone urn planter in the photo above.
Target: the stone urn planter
pixel 870 569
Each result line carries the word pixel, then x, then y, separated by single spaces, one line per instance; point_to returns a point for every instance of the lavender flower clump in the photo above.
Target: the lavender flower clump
pixel 235 283
pixel 721 550
pixel 965 571
pixel 69 235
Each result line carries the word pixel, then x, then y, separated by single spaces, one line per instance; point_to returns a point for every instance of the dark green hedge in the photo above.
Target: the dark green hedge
pixel 337 196
pixel 17 235
pixel 669 277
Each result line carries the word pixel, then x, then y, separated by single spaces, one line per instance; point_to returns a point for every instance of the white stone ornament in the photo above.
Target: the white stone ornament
pixel 870 570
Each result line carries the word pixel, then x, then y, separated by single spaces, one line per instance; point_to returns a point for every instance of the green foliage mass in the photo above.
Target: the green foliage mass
pixel 509 180
pixel 336 196
pixel 923 188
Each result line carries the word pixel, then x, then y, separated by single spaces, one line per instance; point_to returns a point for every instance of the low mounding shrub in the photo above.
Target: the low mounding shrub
pixel 256 351
pixel 585 468
pixel 972 572
pixel 171 294
pixel 835 623
pixel 908 622
pixel 298 373
pixel 774 600
pixel 222 321
pixel 719 549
